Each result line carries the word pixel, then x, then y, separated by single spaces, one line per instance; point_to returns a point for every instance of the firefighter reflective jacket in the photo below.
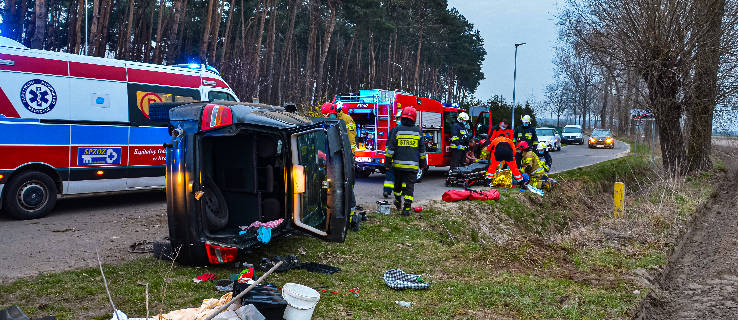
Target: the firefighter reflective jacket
pixel 405 149
pixel 460 137
pixel 351 128
pixel 531 164
pixel 528 134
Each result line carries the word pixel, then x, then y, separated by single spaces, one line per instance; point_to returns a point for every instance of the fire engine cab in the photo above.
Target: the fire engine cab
pixel 374 112
pixel 72 124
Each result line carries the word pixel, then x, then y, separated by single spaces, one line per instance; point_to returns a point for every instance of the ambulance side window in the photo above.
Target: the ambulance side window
pixel 220 95
pixel 141 96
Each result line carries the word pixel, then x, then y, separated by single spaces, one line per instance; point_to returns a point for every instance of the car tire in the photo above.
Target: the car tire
pixel 363 173
pixel 30 195
pixel 214 206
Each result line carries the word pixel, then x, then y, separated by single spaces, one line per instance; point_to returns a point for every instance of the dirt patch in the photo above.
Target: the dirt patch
pixel 700 280
pixel 78 227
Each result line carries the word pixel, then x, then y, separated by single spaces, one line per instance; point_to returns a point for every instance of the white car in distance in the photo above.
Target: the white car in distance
pixel 549 138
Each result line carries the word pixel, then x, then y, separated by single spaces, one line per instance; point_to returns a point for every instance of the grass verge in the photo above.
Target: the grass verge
pixel 524 257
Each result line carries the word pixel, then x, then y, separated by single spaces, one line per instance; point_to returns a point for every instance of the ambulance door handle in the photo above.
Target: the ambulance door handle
pixel 5 62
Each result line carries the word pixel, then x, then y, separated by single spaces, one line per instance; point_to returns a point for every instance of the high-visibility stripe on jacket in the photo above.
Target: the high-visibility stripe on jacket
pixel 528 134
pixel 460 136
pixel 405 148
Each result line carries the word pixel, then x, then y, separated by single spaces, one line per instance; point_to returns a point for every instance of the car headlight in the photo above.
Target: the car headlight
pixel 592 140
pixel 609 140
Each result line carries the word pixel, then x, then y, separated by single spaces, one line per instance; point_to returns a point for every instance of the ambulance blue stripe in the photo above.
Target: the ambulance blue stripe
pixel 97 135
pixel 25 134
pixel 149 135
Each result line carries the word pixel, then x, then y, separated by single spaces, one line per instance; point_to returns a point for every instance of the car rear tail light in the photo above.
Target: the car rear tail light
pixel 218 254
pixel 215 116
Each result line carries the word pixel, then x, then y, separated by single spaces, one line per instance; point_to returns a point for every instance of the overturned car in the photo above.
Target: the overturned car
pixel 231 165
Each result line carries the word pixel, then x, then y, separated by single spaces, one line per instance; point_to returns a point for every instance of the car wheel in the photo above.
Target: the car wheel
pixel 214 206
pixel 364 173
pixel 30 195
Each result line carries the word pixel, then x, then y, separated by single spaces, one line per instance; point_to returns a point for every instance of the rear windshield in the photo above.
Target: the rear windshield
pixel 572 130
pixel 544 132
pixel 601 133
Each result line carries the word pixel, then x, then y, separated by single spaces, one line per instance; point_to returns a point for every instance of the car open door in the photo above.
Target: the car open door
pixel 320 181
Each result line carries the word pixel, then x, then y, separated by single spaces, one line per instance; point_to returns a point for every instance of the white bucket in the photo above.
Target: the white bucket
pixel 301 301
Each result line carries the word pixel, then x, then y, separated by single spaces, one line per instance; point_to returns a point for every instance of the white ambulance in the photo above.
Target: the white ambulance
pixel 72 124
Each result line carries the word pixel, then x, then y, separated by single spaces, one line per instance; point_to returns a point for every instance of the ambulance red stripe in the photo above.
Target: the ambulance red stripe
pixel 15 156
pixel 6 108
pixel 163 78
pixel 34 65
pixel 96 71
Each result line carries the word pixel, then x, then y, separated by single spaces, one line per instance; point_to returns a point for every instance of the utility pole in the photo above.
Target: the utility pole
pixel 513 107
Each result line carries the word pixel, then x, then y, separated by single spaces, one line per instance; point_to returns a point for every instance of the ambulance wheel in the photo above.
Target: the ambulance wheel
pixel 30 195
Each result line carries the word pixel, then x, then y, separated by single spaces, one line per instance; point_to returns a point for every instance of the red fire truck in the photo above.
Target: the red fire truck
pixel 374 113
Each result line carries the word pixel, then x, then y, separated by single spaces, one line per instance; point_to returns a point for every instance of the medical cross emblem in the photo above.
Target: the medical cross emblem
pixel 38 96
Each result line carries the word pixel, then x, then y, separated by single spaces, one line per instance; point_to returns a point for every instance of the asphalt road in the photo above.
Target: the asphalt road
pixel 369 190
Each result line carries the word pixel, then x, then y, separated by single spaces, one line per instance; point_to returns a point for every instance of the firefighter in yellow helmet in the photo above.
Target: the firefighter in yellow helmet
pixel 335 111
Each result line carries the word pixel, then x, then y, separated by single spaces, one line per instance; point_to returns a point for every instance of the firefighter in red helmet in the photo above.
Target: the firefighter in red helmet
pixel 406 155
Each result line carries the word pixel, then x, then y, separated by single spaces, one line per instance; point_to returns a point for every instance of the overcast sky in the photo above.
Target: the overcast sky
pixel 503 23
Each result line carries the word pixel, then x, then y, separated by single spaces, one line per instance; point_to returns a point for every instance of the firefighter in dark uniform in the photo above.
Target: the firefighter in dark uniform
pixel 459 141
pixel 405 154
pixel 526 132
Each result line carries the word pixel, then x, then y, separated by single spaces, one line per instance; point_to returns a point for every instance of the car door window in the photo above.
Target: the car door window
pixel 311 149
pixel 220 95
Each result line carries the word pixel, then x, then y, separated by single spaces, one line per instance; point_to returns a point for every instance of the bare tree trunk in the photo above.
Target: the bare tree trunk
pixel 178 9
pixel 705 88
pixel 310 52
pixel 270 58
pixel 126 42
pixel 227 34
pixel 147 44
pixel 216 29
pixel 39 33
pixel 257 58
pixel 346 61
pixel 286 52
pixel 418 59
pixel 206 32
pixel 326 43
pixel 94 27
pixel 160 27
pixel 78 26
pixel 22 22
pixel 103 28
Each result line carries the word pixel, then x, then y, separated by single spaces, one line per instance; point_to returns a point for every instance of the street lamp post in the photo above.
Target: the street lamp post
pixel 513 107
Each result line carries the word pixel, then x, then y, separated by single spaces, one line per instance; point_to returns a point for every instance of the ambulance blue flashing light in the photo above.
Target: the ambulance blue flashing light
pixel 212 69
pixel 193 66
